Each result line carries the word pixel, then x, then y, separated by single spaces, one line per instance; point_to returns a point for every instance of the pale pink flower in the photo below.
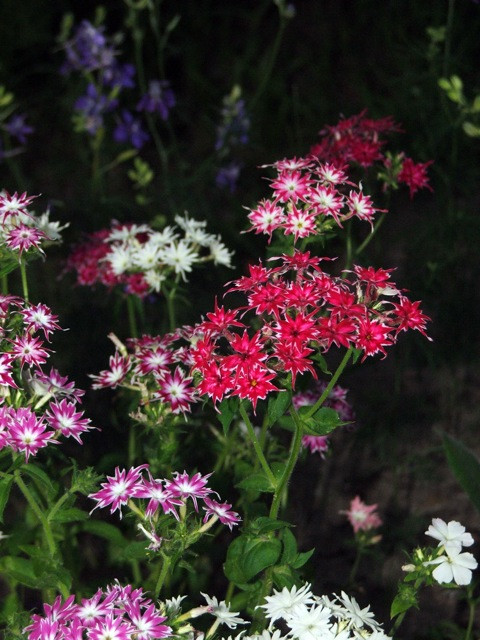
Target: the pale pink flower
pixel 362 516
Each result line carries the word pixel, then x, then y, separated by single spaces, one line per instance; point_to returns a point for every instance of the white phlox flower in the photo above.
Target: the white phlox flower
pixel 124 233
pixel 283 603
pixel 354 615
pixel 222 612
pixel 311 623
pixel 180 256
pixel 52 229
pixel 120 259
pixel 146 256
pixel 453 566
pixel 220 254
pixel 451 535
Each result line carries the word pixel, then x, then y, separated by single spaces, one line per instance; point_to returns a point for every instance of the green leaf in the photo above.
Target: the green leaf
pixel 465 466
pixel 20 569
pixel 233 568
pixel 40 476
pixel 277 406
pixel 322 363
pixel 471 129
pixel 321 423
pixel 228 409
pixel 260 553
pixel 5 486
pixel 404 600
pixel 257 482
pixel 302 558
pixel 134 551
pixel 263 524
pixel 289 547
pixel 104 530
pixel 70 515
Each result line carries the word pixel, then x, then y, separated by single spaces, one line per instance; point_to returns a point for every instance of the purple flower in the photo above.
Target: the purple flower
pixel 130 130
pixel 159 98
pixel 233 130
pixel 88 50
pixel 17 128
pixel 227 176
pixel 93 106
pixel 119 75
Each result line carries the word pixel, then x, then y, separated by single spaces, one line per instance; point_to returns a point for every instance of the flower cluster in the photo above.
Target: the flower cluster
pixel 164 496
pixel 21 230
pixel 362 517
pixel 336 400
pixel 50 400
pixel 358 141
pixel 301 311
pixel 123 613
pixel 232 133
pixel 141 259
pixel 308 196
pixel 452 564
pixel 311 617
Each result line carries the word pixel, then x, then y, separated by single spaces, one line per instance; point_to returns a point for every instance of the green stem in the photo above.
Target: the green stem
pixel 355 565
pixel 4 285
pixel 257 447
pixel 371 235
pixel 52 547
pixel 132 321
pixel 291 462
pixel 331 384
pixel 448 37
pixel 23 272
pixel 58 504
pixel 162 575
pixel 172 322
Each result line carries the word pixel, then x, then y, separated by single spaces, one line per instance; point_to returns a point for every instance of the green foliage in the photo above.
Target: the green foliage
pixel 465 465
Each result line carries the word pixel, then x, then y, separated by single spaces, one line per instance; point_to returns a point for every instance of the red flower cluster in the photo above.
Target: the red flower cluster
pixel 354 140
pixel 299 310
pixel 307 195
pixel 358 141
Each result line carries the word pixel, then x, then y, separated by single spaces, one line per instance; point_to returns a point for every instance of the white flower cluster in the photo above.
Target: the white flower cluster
pixel 139 248
pixel 311 617
pixel 453 564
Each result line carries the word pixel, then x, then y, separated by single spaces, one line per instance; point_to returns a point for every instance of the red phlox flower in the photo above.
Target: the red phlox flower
pixel 301 295
pixel 119 368
pixel 155 358
pixel 28 349
pixel 27 432
pixel 327 201
pixel 291 186
pixel 316 444
pixel 223 511
pixel 294 359
pixel 254 384
pixel 176 389
pixel 185 486
pixel 12 205
pixel 258 275
pixel 300 223
pixel 297 330
pixel 6 370
pixel 55 384
pixel 63 417
pixel 40 318
pixel 333 330
pixel 267 298
pixel 215 383
pixel 415 175
pixel 119 488
pixel 409 316
pixel 361 206
pixel 248 353
pixel 266 217
pixel 154 490
pixel 221 319
pixel 372 336
pixel 22 238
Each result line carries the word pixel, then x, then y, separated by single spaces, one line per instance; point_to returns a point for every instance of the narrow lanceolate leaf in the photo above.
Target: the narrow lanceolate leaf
pixel 465 466
pixel 5 486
